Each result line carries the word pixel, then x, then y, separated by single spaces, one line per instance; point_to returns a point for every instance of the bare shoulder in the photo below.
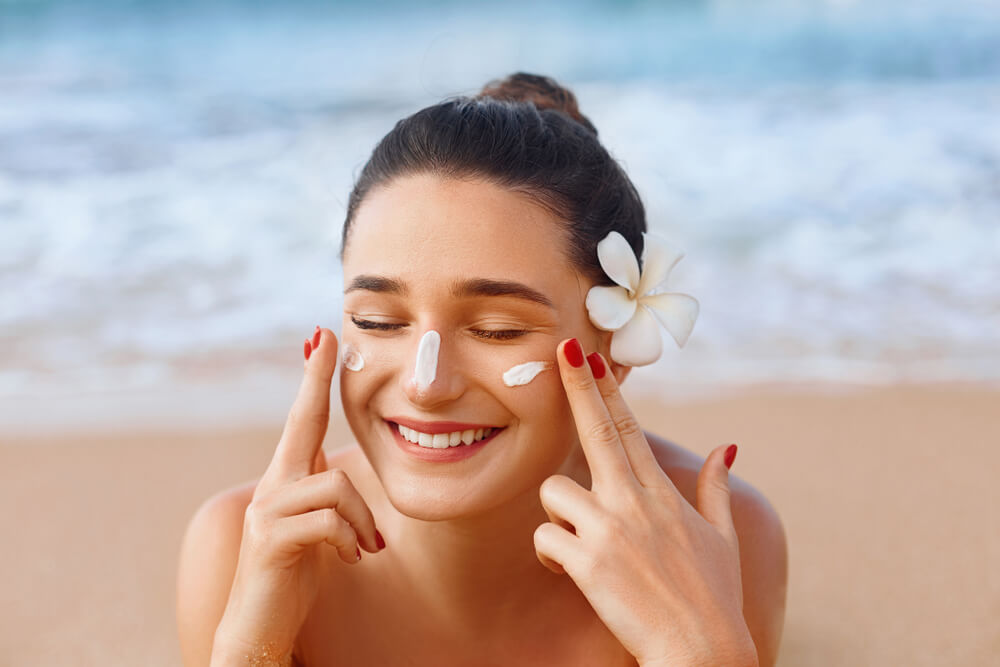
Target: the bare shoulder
pixel 763 544
pixel 229 504
pixel 208 555
pixel 207 565
pixel 683 465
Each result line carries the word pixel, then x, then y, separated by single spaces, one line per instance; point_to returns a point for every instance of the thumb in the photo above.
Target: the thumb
pixel 713 490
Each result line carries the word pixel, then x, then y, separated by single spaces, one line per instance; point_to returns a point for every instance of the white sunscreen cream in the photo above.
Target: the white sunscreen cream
pixel 425 369
pixel 524 373
pixel 353 361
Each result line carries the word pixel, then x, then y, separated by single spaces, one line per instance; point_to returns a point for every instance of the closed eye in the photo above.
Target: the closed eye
pixel 499 334
pixel 372 324
pixel 489 334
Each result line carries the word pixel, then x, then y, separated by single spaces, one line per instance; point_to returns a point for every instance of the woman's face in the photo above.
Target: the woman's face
pixel 487 270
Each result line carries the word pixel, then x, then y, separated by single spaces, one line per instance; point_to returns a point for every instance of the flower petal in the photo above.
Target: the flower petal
pixel 609 307
pixel 658 259
pixel 618 261
pixel 677 312
pixel 638 342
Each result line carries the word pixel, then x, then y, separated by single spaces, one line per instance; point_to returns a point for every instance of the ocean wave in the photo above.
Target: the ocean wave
pixel 171 200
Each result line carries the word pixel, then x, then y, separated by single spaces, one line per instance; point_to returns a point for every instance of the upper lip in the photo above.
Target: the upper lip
pixel 437 427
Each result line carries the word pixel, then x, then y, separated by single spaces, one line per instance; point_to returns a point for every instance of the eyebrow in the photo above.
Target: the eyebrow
pixel 462 289
pixel 376 284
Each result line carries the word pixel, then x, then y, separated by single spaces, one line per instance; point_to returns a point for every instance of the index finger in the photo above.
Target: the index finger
pixel 640 455
pixel 599 437
pixel 309 416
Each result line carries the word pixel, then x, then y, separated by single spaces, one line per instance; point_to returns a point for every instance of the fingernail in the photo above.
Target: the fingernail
pixel 307 350
pixel 379 540
pixel 730 456
pixel 358 554
pixel 316 337
pixel 596 365
pixel 574 353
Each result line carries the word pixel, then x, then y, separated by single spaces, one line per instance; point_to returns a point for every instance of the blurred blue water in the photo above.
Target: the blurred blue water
pixel 173 176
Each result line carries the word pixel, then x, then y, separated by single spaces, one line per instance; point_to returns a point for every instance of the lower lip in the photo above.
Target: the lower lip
pixel 443 455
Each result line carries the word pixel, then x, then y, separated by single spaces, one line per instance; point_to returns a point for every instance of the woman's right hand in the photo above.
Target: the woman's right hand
pixel 298 507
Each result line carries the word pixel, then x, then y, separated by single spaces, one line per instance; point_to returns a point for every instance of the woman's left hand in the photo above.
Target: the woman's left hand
pixel 663 576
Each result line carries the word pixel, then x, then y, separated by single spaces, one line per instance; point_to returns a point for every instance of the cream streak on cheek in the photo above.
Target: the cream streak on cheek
pixel 524 373
pixel 353 361
pixel 425 369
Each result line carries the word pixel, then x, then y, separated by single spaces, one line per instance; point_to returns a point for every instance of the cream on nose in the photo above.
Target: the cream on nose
pixel 425 368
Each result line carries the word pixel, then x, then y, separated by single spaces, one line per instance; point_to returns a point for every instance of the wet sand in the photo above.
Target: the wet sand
pixel 887 496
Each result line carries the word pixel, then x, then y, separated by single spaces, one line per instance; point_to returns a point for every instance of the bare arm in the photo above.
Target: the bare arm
pixel 763 547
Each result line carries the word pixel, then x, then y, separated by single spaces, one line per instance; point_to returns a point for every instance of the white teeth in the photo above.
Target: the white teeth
pixel 443 440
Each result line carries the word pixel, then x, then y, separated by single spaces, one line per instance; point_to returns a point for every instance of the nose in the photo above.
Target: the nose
pixel 432 376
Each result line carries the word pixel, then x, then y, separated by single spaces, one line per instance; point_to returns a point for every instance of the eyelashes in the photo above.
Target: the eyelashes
pixel 372 324
pixel 499 334
pixel 489 334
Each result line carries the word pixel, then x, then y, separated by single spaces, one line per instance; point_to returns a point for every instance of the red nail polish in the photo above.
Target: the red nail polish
pixel 316 337
pixel 379 540
pixel 596 365
pixel 307 350
pixel 574 353
pixel 730 456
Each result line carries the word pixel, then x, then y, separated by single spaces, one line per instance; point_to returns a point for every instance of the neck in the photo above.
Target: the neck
pixel 481 574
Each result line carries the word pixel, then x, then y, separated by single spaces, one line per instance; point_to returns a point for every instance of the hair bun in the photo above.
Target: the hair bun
pixel 541 91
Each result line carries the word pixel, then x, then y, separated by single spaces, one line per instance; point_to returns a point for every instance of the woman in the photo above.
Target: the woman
pixel 493 304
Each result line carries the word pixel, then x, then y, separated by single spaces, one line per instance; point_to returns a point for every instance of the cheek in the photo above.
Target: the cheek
pixel 530 388
pixel 545 428
pixel 522 374
pixel 525 380
pixel 351 358
pixel 363 369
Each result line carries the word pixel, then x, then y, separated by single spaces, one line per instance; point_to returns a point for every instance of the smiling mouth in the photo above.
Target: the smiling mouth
pixel 444 440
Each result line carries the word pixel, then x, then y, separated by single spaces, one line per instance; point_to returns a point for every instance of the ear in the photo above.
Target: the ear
pixel 604 345
pixel 620 372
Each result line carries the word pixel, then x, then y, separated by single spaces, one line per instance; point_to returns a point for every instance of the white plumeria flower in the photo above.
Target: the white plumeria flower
pixel 631 308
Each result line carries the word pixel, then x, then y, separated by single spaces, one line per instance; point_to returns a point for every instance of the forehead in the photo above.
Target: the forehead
pixel 427 226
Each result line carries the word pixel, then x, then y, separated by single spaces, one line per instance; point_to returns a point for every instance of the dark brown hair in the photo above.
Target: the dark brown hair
pixel 524 133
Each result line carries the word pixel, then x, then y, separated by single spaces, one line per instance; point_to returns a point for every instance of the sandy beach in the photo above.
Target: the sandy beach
pixel 885 495
pixel 174 178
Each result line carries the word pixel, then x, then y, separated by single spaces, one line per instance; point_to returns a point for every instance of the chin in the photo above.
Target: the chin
pixel 414 499
pixel 428 506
